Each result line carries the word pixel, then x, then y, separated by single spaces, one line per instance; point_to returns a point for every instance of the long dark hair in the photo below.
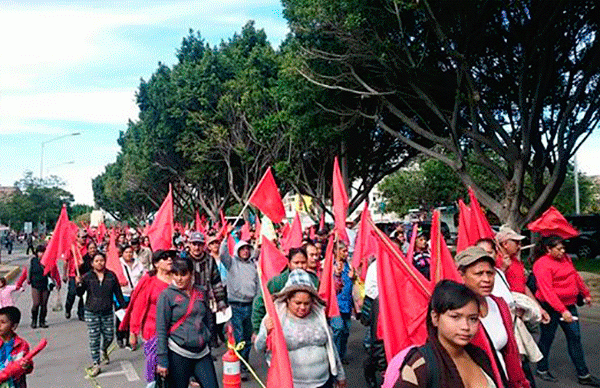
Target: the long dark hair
pixel 448 295
pixel 541 248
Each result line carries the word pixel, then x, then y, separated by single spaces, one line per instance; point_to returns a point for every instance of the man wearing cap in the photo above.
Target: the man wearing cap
pixel 509 262
pixel 73 259
pixel 422 257
pixel 207 276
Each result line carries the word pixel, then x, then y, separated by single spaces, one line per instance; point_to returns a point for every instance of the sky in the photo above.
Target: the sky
pixel 74 67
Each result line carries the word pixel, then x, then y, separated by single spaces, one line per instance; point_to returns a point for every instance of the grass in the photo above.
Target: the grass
pixel 589 265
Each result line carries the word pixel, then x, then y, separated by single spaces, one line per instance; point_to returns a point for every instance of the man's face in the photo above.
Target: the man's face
pixel 92 250
pixel 244 252
pixel 313 256
pixel 196 248
pixel 421 243
pixel 511 246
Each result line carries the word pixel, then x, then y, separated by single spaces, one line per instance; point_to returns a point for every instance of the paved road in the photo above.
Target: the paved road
pixel 62 363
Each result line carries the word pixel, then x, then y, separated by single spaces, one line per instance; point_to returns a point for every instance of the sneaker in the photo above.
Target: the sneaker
pixel 68 315
pixel 589 380
pixel 546 376
pixel 93 370
pixel 104 358
pixel 34 325
pixel 44 325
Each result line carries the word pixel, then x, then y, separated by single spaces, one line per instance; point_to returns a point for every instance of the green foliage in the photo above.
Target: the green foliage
pixel 37 201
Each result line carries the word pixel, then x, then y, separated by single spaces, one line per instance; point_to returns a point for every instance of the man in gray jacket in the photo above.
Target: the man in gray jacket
pixel 242 286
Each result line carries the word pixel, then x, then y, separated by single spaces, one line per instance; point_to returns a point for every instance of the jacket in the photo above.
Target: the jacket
pixel 37 279
pixel 274 285
pixel 140 316
pixel 207 276
pixel 20 348
pixel 193 334
pixel 242 277
pixel 100 294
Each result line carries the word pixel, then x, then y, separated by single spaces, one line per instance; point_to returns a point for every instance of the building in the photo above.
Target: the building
pixel 6 192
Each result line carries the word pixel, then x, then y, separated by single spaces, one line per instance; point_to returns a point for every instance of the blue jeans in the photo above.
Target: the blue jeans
pixel 572 334
pixel 241 314
pixel 340 326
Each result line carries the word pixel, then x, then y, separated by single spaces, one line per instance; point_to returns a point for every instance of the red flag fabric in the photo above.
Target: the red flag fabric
pixel 327 287
pixel 60 243
pixel 403 299
pixel 340 202
pixel 101 231
pixel 442 263
pixel 273 261
pixel 112 259
pixel 245 233
pixel 322 221
pixel 552 222
pixel 280 370
pixel 465 237
pixel 199 226
pixel 477 215
pixel 161 230
pixel 267 199
pixel 230 244
pixel 294 236
pixel 285 231
pixel 365 245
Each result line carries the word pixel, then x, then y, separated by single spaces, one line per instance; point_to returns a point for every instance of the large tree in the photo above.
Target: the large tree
pixel 508 86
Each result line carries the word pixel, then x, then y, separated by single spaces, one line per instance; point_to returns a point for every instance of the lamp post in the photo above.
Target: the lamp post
pixel 42 153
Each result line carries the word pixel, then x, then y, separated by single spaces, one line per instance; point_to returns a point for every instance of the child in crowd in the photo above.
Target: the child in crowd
pixel 13 347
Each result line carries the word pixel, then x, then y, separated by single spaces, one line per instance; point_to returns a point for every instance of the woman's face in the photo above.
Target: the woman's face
pixel 213 247
pixel 457 327
pixel 479 277
pixel 557 252
pixel 128 254
pixel 165 264
pixel 99 263
pixel 92 249
pixel 300 304
pixel 298 261
pixel 183 281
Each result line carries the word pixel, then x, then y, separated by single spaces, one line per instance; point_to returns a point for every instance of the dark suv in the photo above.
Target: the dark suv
pixel 586 245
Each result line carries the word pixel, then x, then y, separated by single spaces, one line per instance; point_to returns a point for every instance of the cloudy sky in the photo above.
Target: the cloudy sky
pixel 74 66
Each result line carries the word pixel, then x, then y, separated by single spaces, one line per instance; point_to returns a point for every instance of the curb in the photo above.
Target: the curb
pixel 12 271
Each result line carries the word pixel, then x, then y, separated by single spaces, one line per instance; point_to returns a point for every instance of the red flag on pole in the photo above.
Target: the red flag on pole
pixel 465 236
pixel 199 226
pixel 327 290
pixel 483 225
pixel 273 261
pixel 100 232
pixel 442 263
pixel 280 370
pixel 340 202
pixel 267 199
pixel 403 297
pixel 245 233
pixel 60 243
pixel 553 223
pixel 322 221
pixel 365 246
pixel 161 230
pixel 112 259
pixel 294 236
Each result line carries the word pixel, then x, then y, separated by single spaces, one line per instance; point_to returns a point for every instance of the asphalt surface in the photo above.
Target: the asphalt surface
pixel 62 364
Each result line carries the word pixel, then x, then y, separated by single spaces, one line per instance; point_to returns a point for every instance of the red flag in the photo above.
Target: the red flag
pixel 273 261
pixel 403 297
pixel 161 230
pixel 327 287
pixel 230 244
pixel 199 226
pixel 483 225
pixel 101 231
pixel 442 263
pixel 60 243
pixel 112 259
pixel 553 223
pixel 280 370
pixel 322 221
pixel 465 236
pixel 294 237
pixel 21 279
pixel 285 231
pixel 245 233
pixel 267 199
pixel 365 246
pixel 340 202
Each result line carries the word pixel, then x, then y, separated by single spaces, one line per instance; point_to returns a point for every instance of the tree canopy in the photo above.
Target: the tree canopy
pixel 511 87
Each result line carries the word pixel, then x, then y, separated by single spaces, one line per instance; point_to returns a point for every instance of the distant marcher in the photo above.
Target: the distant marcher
pixel 40 289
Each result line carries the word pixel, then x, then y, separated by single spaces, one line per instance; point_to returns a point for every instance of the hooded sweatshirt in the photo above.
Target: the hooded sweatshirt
pixel 242 276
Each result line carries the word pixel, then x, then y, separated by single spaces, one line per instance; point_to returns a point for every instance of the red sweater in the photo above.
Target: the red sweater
pixel 140 316
pixel 515 274
pixel 558 282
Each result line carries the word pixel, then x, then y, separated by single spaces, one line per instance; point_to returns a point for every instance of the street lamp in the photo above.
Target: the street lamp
pixel 48 141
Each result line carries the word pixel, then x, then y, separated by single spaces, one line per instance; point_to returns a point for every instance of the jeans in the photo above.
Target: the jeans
pixel 182 368
pixel 572 334
pixel 241 314
pixel 340 326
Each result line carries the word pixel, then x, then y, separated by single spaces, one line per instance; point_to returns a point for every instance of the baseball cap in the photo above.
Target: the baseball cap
pixel 505 233
pixel 470 255
pixel 196 237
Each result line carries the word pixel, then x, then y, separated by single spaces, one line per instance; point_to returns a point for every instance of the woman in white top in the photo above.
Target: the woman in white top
pixel 133 270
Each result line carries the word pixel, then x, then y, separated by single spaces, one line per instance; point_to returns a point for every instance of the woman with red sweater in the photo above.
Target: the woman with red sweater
pixel 558 288
pixel 140 317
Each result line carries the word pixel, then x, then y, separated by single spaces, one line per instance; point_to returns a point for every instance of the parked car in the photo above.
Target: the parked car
pixel 587 244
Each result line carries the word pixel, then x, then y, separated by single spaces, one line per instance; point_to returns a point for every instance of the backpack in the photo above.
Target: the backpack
pixel 396 364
